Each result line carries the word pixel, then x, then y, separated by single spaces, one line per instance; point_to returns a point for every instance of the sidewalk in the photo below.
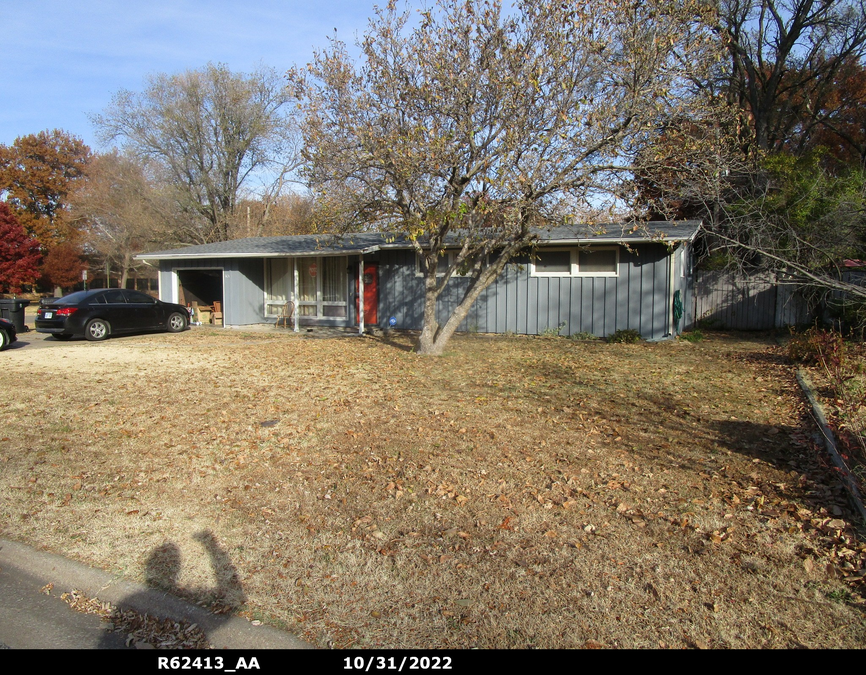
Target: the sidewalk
pixel 32 615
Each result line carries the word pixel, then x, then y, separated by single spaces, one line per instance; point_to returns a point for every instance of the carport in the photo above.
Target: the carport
pixel 200 287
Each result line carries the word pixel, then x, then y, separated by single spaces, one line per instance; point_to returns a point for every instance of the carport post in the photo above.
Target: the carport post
pixel 361 294
pixel 295 293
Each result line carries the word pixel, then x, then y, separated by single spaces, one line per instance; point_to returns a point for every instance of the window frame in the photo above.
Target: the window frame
pixel 574 256
pixel 274 303
pixel 271 299
pixel 447 257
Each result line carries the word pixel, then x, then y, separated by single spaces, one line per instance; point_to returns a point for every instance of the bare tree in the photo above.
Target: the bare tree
pixel 784 58
pixel 220 136
pixel 474 127
pixel 122 210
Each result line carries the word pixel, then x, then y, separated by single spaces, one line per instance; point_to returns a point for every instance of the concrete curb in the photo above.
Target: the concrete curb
pixel 67 575
pixel 830 443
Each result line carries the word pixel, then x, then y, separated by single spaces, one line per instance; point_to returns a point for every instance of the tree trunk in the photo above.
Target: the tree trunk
pixel 434 337
pixel 429 326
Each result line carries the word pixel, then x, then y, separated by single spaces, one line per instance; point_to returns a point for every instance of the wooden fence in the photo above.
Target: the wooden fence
pixel 759 302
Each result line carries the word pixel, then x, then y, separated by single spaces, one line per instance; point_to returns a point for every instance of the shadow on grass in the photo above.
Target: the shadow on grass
pixel 147 617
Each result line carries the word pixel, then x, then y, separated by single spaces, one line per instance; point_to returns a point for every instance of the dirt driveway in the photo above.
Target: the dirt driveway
pixel 517 492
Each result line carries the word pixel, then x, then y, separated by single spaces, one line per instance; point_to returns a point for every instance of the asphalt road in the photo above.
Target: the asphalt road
pixel 33 616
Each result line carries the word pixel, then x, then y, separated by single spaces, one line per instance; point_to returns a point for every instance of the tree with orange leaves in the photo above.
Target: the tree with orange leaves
pixel 63 265
pixel 37 173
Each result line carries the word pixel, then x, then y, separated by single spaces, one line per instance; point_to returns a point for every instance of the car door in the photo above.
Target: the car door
pixel 144 310
pixel 117 312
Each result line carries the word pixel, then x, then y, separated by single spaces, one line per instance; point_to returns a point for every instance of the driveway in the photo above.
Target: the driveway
pixel 33 340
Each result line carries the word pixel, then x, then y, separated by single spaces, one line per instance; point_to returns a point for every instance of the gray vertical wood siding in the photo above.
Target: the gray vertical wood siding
pixel 639 298
pixel 243 286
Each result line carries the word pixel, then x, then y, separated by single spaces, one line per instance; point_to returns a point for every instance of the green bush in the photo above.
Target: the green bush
pixel 692 336
pixel 624 336
pixel 553 332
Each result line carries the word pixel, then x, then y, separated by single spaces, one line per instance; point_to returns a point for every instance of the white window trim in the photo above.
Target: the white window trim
pixel 575 267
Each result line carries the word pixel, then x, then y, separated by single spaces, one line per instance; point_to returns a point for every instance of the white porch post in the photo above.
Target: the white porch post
pixel 295 293
pixel 361 294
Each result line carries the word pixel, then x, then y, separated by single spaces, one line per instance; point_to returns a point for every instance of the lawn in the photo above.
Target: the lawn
pixel 518 492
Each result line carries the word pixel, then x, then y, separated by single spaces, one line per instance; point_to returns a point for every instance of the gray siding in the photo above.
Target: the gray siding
pixel 243 286
pixel 638 298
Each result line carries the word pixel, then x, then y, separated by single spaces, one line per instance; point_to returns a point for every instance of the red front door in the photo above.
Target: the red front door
pixel 371 294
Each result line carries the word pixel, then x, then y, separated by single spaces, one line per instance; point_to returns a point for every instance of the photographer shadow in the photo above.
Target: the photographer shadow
pixel 149 618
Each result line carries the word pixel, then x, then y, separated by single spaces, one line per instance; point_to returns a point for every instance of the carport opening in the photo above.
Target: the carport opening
pixel 200 287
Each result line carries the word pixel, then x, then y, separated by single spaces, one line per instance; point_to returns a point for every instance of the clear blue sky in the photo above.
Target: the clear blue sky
pixel 63 59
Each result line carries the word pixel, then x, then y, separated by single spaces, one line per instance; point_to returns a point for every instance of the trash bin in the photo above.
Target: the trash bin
pixel 13 310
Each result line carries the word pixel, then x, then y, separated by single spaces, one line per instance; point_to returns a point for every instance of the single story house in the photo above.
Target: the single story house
pixel 575 280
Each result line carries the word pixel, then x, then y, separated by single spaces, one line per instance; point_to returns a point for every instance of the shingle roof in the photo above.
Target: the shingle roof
pixel 369 242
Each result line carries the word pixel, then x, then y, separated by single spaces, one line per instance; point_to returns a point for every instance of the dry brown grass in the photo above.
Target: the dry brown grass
pixel 517 492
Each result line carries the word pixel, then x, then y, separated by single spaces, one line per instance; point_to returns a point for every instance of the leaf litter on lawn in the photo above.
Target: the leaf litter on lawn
pixel 517 492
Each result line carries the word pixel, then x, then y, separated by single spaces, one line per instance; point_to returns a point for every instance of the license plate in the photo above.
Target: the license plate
pixel 48 315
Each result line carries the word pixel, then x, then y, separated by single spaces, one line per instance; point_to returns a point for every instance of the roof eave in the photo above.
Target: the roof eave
pixel 259 254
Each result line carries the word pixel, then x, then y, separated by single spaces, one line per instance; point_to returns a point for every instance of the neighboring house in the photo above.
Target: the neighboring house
pixel 576 280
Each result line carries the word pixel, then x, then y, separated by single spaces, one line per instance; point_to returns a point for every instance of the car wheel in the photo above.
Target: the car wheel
pixel 96 329
pixel 4 340
pixel 62 338
pixel 176 323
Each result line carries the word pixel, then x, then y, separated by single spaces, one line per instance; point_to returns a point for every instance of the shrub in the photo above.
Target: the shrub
pixel 816 346
pixel 692 336
pixel 624 336
pixel 583 335
pixel 553 332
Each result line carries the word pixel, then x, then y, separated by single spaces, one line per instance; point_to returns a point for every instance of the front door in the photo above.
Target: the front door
pixel 371 294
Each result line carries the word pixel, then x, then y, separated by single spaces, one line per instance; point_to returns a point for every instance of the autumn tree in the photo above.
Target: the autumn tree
pixel 842 115
pixel 220 136
pixel 63 265
pixel 37 172
pixel 122 210
pixel 784 58
pixel 19 254
pixel 286 214
pixel 777 176
pixel 473 127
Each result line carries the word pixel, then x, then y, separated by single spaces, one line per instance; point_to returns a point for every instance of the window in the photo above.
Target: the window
pixel 322 287
pixel 445 261
pixel 278 284
pixel 322 290
pixel 596 261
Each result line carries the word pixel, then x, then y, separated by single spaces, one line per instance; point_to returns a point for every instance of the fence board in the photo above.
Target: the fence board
pixel 758 302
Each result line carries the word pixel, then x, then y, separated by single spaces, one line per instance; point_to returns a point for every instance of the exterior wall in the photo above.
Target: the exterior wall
pixel 638 298
pixel 243 286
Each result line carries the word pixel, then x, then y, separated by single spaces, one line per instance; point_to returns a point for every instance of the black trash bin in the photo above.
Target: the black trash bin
pixel 13 310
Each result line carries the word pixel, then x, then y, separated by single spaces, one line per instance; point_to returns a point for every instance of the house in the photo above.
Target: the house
pixel 576 280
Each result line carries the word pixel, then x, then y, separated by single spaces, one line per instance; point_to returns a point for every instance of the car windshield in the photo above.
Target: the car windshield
pixel 72 298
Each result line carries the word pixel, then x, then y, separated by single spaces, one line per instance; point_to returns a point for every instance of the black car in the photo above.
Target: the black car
pixel 99 313
pixel 7 334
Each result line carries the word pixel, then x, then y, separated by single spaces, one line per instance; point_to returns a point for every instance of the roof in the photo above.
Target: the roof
pixel 370 242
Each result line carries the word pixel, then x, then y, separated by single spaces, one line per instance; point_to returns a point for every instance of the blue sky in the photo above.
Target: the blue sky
pixel 63 59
